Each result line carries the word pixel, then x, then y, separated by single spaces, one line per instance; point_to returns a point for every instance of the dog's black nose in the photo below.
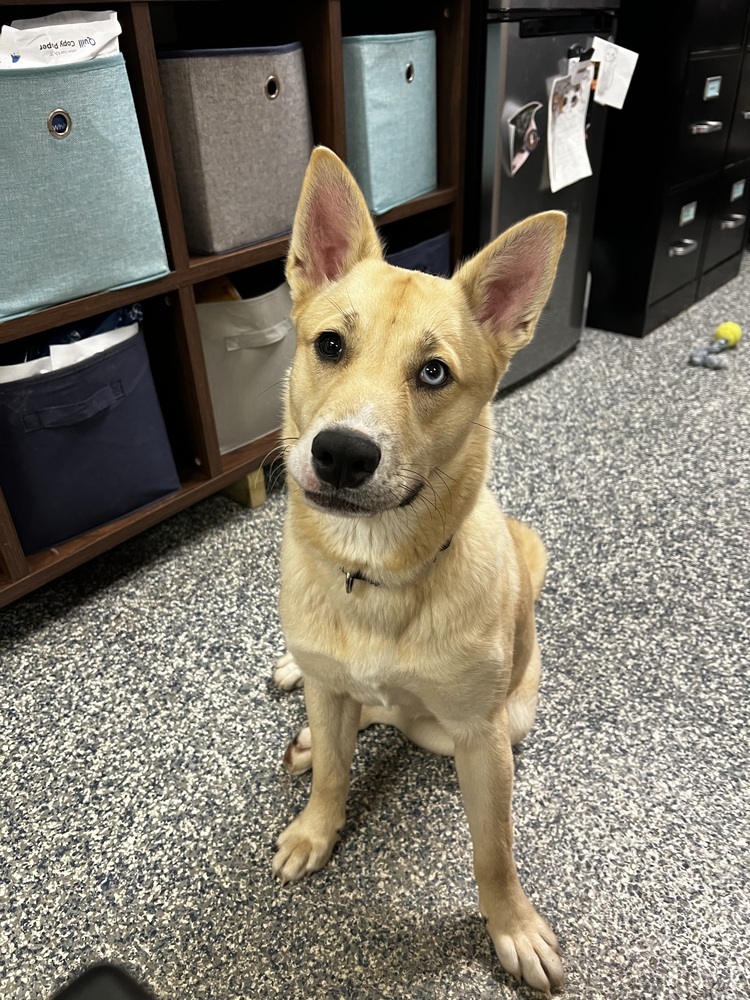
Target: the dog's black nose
pixel 344 458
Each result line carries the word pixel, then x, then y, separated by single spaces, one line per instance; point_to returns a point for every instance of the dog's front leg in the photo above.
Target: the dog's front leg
pixel 524 942
pixel 307 843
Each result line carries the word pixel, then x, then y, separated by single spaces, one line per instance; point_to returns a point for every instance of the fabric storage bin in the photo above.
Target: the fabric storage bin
pixel 390 94
pixel 239 123
pixel 84 445
pixel 77 209
pixel 248 346
pixel 433 256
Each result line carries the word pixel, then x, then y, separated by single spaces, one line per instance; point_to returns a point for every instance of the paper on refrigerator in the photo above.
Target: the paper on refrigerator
pixel 568 158
pixel 59 39
pixel 616 68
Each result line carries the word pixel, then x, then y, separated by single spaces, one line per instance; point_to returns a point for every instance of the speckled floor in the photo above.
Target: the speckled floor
pixel 141 787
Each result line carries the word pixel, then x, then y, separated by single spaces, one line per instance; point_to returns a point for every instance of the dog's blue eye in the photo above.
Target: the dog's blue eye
pixel 434 374
pixel 330 346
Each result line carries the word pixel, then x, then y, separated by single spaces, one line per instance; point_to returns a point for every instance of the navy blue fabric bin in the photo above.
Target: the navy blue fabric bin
pixel 432 256
pixel 82 446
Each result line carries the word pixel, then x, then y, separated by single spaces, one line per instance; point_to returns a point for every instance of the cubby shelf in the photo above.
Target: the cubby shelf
pixel 171 325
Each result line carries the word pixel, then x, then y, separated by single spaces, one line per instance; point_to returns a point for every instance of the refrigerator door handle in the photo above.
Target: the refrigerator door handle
pixel 732 222
pixel 682 248
pixel 705 128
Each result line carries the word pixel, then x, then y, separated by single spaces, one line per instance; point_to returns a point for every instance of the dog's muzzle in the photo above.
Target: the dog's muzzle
pixel 344 459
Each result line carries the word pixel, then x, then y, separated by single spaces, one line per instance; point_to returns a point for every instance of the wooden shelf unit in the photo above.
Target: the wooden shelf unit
pixel 170 318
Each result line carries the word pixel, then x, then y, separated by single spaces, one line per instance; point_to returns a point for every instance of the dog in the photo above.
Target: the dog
pixel 407 596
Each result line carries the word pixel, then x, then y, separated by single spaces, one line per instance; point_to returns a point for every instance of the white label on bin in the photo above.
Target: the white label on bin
pixel 738 189
pixel 688 213
pixel 712 88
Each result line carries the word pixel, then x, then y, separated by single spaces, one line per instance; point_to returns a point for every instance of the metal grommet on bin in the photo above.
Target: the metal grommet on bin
pixel 273 88
pixel 59 123
pixel 410 73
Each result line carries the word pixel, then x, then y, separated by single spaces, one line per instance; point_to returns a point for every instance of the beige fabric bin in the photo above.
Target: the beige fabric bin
pixel 248 346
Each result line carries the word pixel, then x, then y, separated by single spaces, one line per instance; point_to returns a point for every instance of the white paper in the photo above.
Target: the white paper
pixel 64 355
pixel 59 39
pixel 12 373
pixel 616 67
pixel 566 127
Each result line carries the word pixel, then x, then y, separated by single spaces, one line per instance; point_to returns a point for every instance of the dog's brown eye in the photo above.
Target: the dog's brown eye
pixel 434 374
pixel 330 346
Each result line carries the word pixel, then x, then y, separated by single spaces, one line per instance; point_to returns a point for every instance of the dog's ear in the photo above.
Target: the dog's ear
pixel 333 229
pixel 508 282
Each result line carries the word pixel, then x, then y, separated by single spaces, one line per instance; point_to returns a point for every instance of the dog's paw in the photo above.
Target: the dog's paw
pixel 287 675
pixel 528 950
pixel 298 756
pixel 304 847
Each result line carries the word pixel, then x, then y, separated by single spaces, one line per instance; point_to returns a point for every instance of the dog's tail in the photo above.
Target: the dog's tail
pixel 533 552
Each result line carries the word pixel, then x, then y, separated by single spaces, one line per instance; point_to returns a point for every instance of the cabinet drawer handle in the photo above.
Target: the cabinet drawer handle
pixel 682 248
pixel 732 222
pixel 704 128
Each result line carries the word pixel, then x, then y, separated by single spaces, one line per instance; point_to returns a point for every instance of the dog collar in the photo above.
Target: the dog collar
pixel 351 577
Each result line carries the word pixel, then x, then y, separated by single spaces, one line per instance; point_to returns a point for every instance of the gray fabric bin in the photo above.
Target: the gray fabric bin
pixel 239 125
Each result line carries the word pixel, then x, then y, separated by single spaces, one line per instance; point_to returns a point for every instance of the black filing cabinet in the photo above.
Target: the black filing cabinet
pixel 672 212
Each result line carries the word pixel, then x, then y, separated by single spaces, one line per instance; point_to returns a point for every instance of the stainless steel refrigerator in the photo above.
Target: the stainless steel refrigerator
pixel 518 49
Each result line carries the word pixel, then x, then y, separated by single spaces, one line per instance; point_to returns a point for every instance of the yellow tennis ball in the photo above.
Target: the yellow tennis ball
pixel 731 332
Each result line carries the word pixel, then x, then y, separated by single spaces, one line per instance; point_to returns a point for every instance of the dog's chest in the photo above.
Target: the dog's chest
pixel 370 664
pixel 372 690
pixel 378 680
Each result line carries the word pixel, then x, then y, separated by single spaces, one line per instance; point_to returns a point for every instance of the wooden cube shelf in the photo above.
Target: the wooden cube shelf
pixel 170 318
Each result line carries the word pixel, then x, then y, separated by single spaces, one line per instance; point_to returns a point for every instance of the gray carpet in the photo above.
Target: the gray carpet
pixel 141 786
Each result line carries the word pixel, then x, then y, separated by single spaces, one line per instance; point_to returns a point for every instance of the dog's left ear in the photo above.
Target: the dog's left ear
pixel 333 229
pixel 508 282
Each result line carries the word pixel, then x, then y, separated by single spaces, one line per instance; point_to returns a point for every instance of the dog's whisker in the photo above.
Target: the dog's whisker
pixel 444 475
pixel 336 306
pixel 281 448
pixel 419 477
pixel 268 388
pixel 433 505
pixel 442 478
pixel 272 460
pixel 432 508
pixel 487 427
pixel 276 474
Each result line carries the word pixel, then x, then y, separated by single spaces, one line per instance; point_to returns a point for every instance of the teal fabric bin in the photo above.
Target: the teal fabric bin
pixel 390 94
pixel 77 210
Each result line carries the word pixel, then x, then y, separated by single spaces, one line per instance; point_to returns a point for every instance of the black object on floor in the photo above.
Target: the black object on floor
pixel 104 982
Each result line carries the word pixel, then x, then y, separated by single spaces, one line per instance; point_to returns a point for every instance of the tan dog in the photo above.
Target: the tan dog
pixel 407 597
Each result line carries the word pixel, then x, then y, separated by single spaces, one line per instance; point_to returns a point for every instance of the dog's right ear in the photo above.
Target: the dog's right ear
pixel 333 229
